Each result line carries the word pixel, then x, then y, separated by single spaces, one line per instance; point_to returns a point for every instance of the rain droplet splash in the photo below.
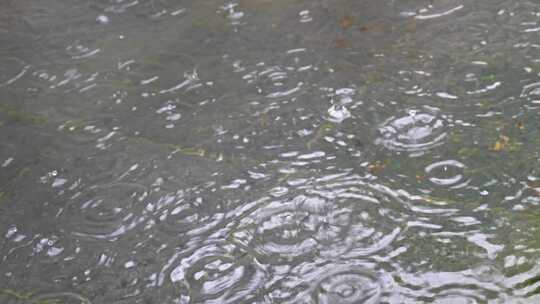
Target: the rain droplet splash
pixel 446 173
pixel 416 131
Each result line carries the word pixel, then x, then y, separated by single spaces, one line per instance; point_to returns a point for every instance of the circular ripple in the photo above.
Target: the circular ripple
pixel 279 230
pixel 418 130
pixel 446 173
pixel 348 287
pixel 531 92
pixel 106 212
pixel 187 216
pixel 333 221
pixel 369 218
pixel 218 272
pixel 340 283
pixel 283 76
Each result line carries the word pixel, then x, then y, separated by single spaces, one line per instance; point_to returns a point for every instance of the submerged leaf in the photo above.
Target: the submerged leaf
pixel 377 166
pixel 345 22
pixel 501 143
pixel 372 28
pixel 340 43
pixel 533 183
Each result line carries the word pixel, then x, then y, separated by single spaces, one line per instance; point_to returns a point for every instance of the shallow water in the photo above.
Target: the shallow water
pixel 269 151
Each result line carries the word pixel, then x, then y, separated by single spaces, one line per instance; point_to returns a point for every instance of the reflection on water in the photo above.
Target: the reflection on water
pixel 269 151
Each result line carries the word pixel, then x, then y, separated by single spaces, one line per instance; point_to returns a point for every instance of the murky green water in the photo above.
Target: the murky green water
pixel 264 151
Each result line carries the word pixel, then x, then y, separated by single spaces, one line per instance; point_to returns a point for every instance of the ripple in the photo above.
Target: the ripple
pixel 279 230
pixel 279 207
pixel 531 92
pixel 341 283
pixel 467 286
pixel 329 220
pixel 9 296
pixel 417 131
pixel 12 69
pixel 458 296
pixel 446 173
pixel 106 212
pixel 274 79
pixel 180 214
pixel 80 51
pixel 439 14
pixel 218 272
pixel 369 218
pixel 62 297
pixel 285 76
pixel 338 113
pixel 348 286
pixel 232 14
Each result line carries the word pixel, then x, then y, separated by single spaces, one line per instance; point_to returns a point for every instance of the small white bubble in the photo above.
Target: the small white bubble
pixel 173 117
pixel 129 264
pixel 337 113
pixel 58 182
pixel 102 19
pixel 7 162
pixel 11 231
pixel 518 207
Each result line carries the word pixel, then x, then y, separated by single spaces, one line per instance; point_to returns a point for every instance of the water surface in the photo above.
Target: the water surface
pixel 269 151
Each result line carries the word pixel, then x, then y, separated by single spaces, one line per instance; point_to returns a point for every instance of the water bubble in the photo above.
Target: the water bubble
pixel 232 13
pixel 305 16
pixel 338 113
pixel 103 19
pixel 348 287
pixel 417 131
pixel 446 173
pixel 7 162
pixel 58 182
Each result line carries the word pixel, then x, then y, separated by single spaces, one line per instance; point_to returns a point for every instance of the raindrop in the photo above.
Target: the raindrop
pixel 416 131
pixel 446 173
